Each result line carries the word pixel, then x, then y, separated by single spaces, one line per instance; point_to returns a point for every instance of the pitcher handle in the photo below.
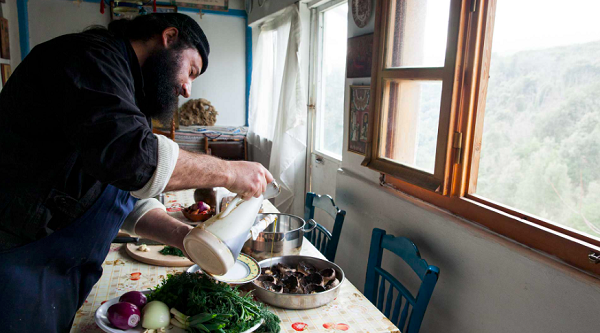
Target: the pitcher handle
pixel 311 222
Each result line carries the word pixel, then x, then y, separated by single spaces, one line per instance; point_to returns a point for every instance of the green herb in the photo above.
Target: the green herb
pixel 172 251
pixel 213 306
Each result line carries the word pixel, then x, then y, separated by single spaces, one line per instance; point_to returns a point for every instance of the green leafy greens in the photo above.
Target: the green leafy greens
pixel 197 294
pixel 171 251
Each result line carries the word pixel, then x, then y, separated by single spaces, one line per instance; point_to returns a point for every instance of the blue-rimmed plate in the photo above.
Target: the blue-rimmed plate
pixel 244 270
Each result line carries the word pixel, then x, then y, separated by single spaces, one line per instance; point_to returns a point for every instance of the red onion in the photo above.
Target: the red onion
pixel 123 315
pixel 134 297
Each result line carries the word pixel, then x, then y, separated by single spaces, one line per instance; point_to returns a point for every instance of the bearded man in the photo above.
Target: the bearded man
pixel 79 159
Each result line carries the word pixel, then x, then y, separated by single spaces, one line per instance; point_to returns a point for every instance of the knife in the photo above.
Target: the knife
pixel 136 240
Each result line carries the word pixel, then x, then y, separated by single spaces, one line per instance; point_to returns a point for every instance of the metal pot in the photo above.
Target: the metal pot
pixel 281 238
pixel 300 301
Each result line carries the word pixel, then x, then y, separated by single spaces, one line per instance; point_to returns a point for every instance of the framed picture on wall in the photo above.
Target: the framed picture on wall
pixel 360 100
pixel 116 14
pixel 4 42
pixel 5 73
pixel 360 56
pixel 221 5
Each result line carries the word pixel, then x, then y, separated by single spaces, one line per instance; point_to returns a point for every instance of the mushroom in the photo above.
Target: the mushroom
pixel 272 287
pixel 314 288
pixel 305 268
pixel 328 274
pixel 290 282
pixel 332 284
pixel 284 269
pixel 267 278
pixel 314 278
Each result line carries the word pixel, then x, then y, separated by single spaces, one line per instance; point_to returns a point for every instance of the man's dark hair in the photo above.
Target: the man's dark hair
pixel 144 27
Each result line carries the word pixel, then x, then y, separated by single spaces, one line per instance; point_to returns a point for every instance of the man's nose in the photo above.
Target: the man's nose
pixel 186 90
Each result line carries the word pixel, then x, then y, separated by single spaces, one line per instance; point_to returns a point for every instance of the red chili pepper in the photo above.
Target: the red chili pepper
pixel 136 276
pixel 299 326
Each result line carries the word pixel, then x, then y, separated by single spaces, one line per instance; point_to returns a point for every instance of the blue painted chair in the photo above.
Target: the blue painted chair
pixel 375 285
pixel 320 237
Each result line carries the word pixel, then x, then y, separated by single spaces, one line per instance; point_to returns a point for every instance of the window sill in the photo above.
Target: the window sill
pixel 567 249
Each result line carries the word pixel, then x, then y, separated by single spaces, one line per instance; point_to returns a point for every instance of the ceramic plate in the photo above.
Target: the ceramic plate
pixel 106 326
pixel 244 270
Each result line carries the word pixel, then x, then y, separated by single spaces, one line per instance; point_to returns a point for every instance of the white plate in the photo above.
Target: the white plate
pixel 244 270
pixel 106 326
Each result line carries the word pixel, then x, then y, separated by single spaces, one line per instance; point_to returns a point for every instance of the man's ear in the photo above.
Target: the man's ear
pixel 169 36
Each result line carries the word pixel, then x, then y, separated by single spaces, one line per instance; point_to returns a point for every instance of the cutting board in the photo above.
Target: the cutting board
pixel 153 257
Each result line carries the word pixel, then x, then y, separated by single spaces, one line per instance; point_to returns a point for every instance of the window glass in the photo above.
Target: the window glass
pixel 541 137
pixel 411 111
pixel 417 33
pixel 330 108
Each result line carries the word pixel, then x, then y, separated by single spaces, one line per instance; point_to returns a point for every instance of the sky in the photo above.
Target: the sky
pixel 522 25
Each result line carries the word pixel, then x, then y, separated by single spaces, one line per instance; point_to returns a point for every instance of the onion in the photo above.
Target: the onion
pixel 123 315
pixel 156 315
pixel 202 206
pixel 134 297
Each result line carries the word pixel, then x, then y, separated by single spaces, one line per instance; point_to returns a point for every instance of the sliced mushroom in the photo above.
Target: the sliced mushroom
pixel 284 269
pixel 267 278
pixel 328 274
pixel 332 284
pixel 305 268
pixel 272 287
pixel 314 278
pixel 266 271
pixel 314 288
pixel 290 282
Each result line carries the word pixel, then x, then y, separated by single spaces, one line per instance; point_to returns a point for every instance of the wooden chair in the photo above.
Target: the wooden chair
pixel 407 251
pixel 320 237
pixel 170 135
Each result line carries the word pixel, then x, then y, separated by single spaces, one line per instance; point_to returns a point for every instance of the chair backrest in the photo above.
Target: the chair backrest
pixel 326 242
pixel 170 134
pixel 375 285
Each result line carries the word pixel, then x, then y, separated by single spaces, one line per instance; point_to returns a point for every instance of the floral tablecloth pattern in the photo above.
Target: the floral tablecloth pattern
pixel 351 311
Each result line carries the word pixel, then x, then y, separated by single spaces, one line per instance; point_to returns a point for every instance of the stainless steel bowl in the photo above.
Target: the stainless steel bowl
pixel 281 238
pixel 300 301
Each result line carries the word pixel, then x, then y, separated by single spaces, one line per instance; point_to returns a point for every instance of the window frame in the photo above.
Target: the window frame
pixel 319 11
pixel 379 73
pixel 456 193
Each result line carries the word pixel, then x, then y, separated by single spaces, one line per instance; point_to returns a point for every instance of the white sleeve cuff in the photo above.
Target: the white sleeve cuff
pixel 141 207
pixel 168 152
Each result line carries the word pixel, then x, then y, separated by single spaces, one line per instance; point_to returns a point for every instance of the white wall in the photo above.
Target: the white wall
pixel 487 283
pixel 223 84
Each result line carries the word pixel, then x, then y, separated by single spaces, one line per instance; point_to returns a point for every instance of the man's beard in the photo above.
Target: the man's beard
pixel 160 84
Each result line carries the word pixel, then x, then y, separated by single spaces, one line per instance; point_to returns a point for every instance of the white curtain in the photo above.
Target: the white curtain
pixel 277 105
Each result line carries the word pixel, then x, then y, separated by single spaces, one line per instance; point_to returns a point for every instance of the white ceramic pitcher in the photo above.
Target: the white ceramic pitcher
pixel 215 244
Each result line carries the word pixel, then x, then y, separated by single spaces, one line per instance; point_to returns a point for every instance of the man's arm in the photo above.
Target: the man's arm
pixel 192 170
pixel 156 224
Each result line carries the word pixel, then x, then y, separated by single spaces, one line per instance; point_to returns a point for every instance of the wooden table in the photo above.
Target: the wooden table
pixel 351 311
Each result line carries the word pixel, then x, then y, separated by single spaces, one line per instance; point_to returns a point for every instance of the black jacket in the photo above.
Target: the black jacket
pixel 69 125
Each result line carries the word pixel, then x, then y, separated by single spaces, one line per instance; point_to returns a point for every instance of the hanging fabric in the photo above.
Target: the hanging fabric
pixel 278 105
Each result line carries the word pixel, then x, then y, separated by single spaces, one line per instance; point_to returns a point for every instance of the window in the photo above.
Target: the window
pixel 414 80
pixel 504 128
pixel 333 23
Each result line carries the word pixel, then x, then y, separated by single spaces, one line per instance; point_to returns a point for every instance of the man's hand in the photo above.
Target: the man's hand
pixel 248 179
